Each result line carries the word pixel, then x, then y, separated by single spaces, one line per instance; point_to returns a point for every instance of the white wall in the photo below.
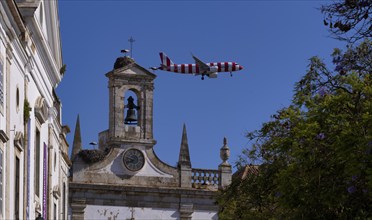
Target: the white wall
pixel 94 212
pixel 116 212
pixel 34 71
pixel 200 214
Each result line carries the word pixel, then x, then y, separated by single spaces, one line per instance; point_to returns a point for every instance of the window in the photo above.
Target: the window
pixel 37 163
pixel 55 212
pixel 16 190
pixel 64 201
pixel 17 99
pixel 55 161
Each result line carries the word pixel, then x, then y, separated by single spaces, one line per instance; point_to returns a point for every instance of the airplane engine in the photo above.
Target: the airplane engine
pixel 213 69
pixel 213 75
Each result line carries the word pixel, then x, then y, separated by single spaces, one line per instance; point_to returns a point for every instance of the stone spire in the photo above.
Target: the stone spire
pixel 76 147
pixel 184 159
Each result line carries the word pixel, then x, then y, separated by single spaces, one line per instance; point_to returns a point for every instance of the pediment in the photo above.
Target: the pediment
pixel 127 67
pixel 56 192
pixel 18 140
pixel 111 170
pixel 136 70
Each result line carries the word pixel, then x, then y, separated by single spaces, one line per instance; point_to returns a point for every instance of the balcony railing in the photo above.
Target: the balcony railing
pixel 204 178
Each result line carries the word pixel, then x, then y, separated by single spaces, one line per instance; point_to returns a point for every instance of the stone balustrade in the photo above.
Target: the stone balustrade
pixel 205 178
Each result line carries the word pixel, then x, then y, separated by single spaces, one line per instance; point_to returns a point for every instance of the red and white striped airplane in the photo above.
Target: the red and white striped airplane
pixel 198 68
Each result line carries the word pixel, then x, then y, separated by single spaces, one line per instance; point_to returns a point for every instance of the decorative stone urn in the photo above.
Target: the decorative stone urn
pixel 225 152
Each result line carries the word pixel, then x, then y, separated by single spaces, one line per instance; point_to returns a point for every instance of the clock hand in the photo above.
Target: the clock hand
pixel 129 158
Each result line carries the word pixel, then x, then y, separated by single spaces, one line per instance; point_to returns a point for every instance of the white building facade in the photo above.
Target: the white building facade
pixel 33 149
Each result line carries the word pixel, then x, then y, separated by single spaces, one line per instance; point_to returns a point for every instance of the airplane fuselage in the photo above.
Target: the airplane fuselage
pixel 199 67
pixel 194 68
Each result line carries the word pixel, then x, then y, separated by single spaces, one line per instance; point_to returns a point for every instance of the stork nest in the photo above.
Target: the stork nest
pixel 93 156
pixel 123 61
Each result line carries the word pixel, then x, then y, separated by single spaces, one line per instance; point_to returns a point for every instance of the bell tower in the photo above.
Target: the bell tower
pixel 124 178
pixel 130 118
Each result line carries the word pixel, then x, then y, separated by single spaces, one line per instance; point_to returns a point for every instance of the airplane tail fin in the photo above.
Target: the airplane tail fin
pixel 165 60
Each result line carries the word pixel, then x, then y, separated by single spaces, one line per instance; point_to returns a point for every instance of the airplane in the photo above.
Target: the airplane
pixel 199 68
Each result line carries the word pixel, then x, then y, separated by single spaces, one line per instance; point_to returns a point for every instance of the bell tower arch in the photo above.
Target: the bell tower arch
pixel 130 118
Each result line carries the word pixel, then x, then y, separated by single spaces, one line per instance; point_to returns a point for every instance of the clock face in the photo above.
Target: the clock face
pixel 133 159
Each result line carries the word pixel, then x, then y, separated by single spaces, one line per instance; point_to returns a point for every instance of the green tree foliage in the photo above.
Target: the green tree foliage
pixel 349 20
pixel 26 111
pixel 315 156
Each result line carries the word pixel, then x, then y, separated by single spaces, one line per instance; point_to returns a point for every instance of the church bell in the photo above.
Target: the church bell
pixel 131 117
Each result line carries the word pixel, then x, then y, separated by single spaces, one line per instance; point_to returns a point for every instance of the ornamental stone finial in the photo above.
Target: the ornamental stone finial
pixel 224 152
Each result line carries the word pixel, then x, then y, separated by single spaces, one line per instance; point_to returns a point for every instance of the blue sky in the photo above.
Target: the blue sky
pixel 273 40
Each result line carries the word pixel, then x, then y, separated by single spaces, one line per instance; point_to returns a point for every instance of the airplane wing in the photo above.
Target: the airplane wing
pixel 203 67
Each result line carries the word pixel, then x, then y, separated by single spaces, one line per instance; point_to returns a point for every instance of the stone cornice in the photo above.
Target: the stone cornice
pixel 133 196
pixel 138 189
pixel 118 141
pixel 16 15
pixel 28 8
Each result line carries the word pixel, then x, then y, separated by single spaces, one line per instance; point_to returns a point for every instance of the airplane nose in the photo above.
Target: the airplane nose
pixel 240 67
